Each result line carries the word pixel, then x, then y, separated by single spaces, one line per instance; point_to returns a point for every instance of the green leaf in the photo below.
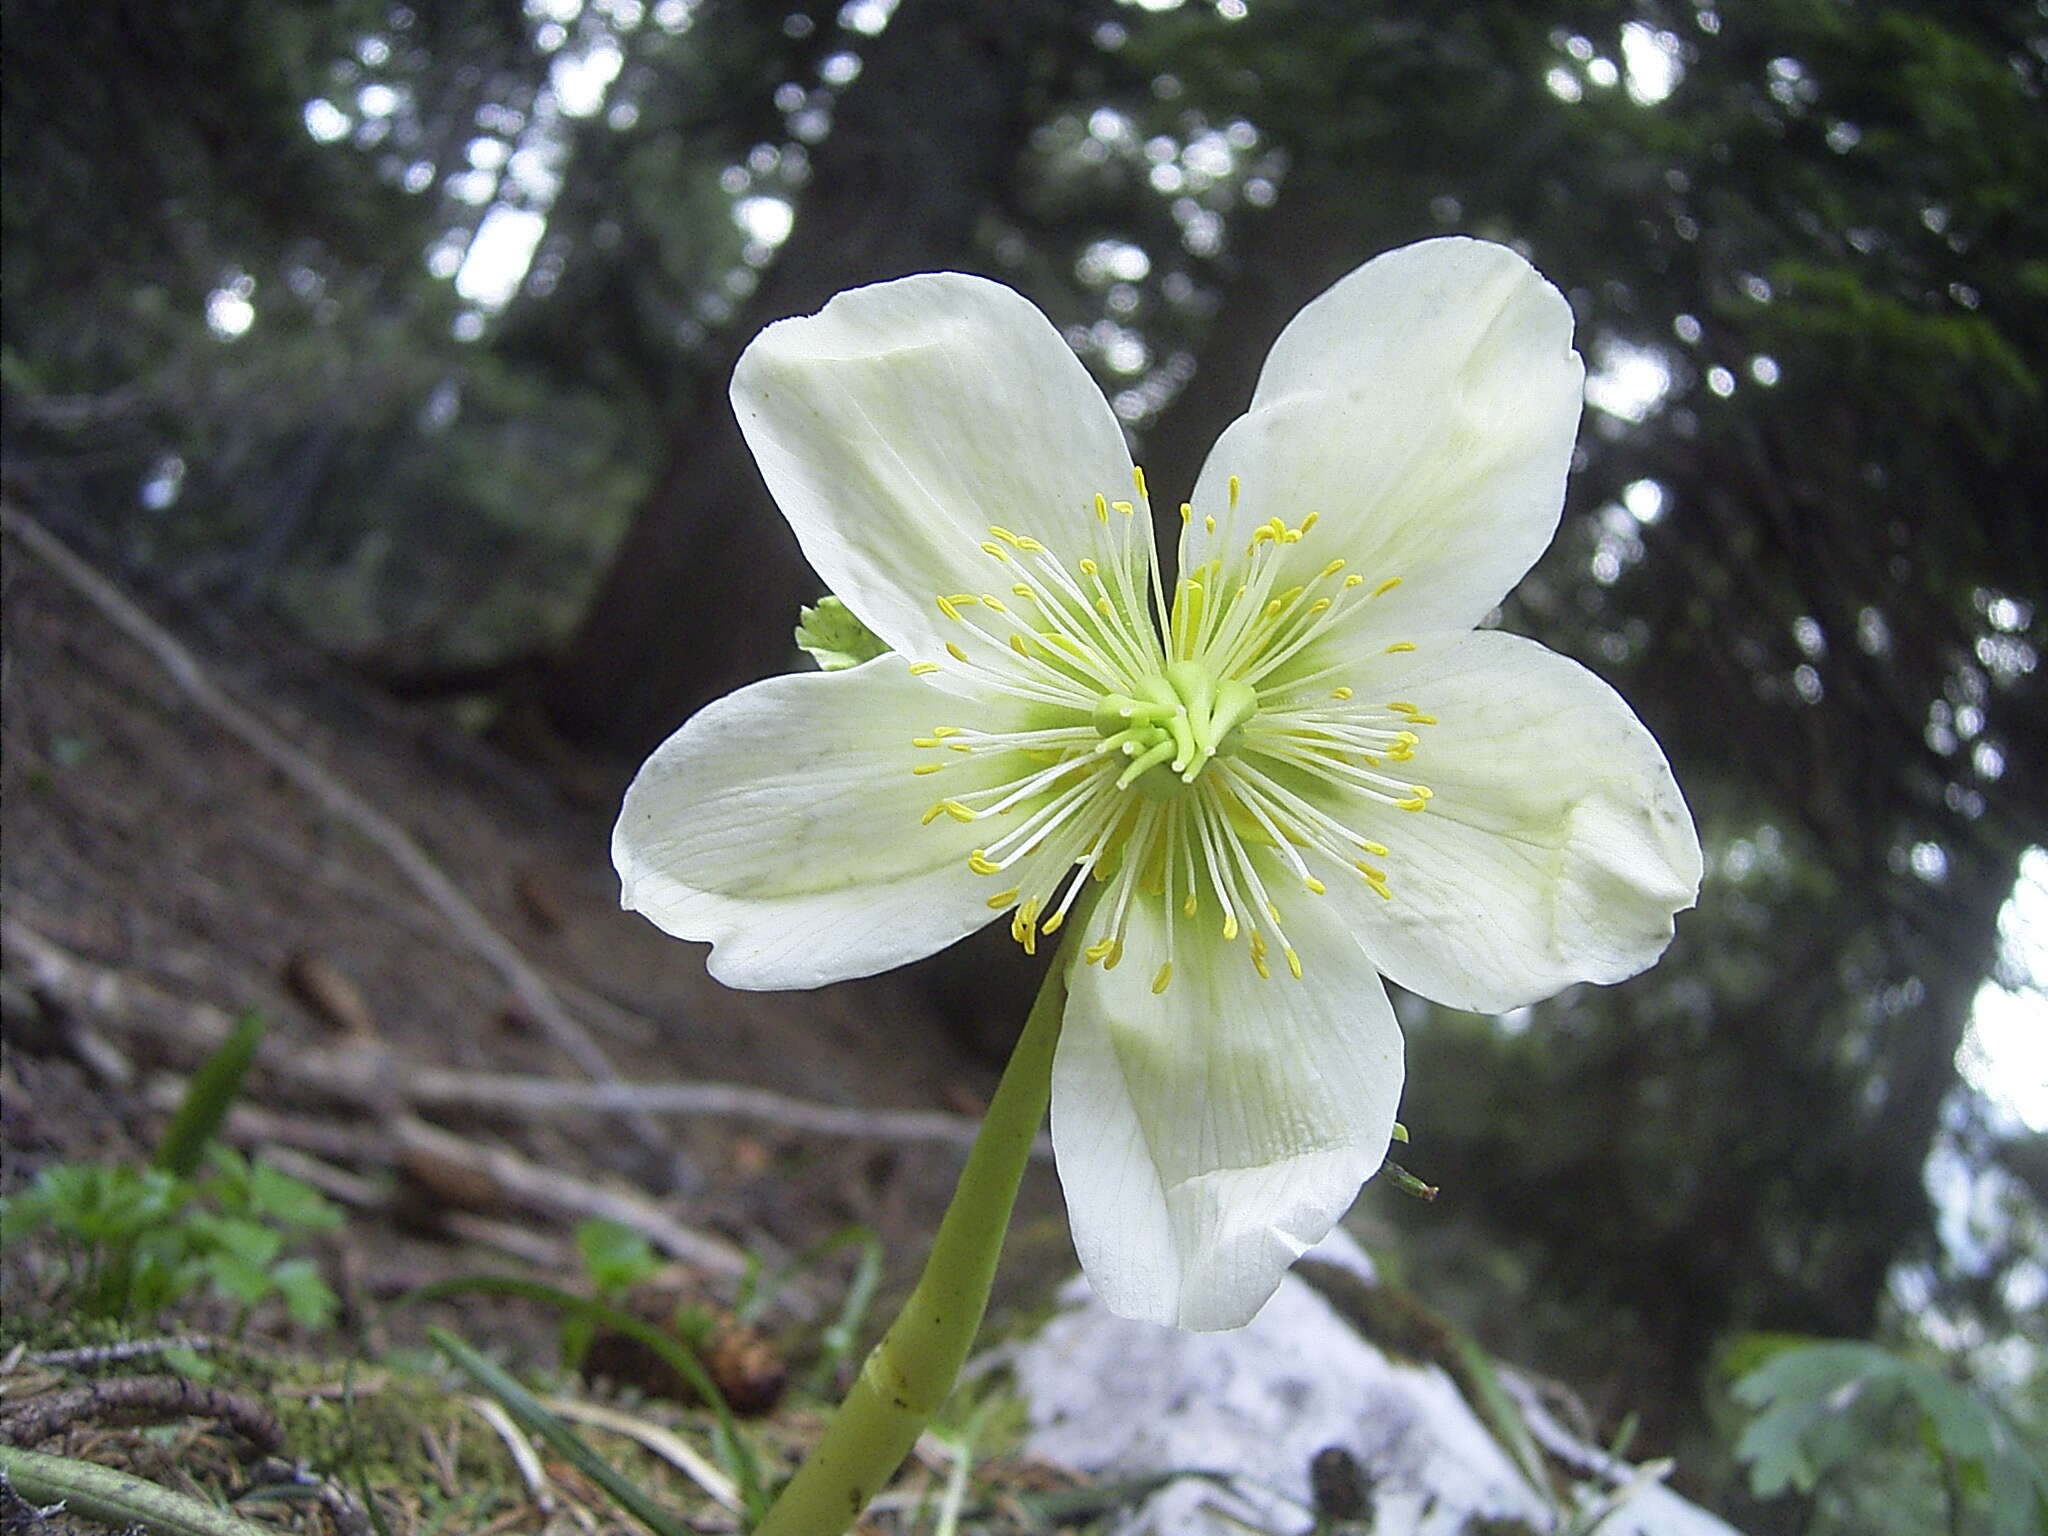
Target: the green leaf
pixel 835 638
pixel 1826 1404
pixel 288 1201
pixel 614 1255
pixel 307 1297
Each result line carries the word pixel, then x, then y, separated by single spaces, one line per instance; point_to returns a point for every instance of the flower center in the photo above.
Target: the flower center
pixel 1176 723
pixel 1194 750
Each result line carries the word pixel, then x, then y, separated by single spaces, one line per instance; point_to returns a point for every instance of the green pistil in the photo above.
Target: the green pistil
pixel 1177 721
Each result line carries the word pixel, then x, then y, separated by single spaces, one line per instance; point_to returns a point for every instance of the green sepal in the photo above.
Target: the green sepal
pixel 834 637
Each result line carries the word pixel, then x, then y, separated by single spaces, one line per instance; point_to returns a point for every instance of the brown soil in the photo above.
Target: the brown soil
pixel 143 838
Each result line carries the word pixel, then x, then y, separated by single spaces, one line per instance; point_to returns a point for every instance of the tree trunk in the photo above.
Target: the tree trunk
pixel 703 592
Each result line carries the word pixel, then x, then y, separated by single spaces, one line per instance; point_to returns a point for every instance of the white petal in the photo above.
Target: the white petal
pixel 899 423
pixel 782 824
pixel 1425 409
pixel 1556 848
pixel 1208 1135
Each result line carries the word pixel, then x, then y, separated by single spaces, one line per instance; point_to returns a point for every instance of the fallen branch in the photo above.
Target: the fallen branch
pixel 436 1087
pixel 146 1399
pixel 489 1174
pixel 372 1076
pixel 460 913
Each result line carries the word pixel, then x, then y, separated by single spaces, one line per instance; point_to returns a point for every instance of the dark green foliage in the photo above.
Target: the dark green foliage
pixel 1821 1408
pixel 134 1241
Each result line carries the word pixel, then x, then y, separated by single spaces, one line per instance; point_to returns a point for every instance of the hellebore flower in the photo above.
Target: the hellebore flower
pixel 1247 788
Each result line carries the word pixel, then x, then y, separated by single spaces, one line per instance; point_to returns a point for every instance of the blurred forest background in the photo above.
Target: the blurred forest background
pixel 412 323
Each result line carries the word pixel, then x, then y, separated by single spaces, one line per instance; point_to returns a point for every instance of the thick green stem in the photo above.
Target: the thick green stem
pixel 910 1373
pixel 118 1498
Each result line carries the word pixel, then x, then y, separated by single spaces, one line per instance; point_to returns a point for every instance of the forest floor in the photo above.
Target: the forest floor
pixel 163 875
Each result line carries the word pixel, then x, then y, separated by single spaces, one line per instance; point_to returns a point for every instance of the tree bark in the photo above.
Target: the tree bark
pixel 703 592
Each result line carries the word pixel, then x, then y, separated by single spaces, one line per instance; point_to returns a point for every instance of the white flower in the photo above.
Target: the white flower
pixel 1247 796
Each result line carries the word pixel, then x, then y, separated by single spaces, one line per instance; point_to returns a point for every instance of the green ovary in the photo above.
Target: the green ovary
pixel 1172 724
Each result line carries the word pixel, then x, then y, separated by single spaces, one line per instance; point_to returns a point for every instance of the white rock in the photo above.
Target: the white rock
pixel 1119 1400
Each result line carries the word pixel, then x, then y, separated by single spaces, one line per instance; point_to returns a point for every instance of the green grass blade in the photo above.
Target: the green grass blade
pixel 208 1096
pixel 524 1407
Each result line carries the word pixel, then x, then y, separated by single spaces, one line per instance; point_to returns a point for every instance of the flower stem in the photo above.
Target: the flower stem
pixel 909 1374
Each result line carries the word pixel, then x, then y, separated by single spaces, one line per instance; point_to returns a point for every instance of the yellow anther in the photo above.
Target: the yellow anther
pixel 1023 589
pixel 1187 513
pixel 1030 546
pixel 1101 507
pixel 1274 913
pixel 1017 644
pixel 946 607
pixel 1399 646
pixel 1377 850
pixel 1160 981
pixel 1275 608
pixel 931 815
pixel 1000 900
pixel 924 741
pixel 958 746
pixel 990 547
pixel 1235 487
pixel 1208 524
pixel 1315 885
pixel 1422 791
pixel 1006 536
pixel 1331 569
pixel 995 604
pixel 1290 536
pixel 1369 871
pixel 1403 707
pixel 1340 693
pixel 1353 580
pixel 1407 738
pixel 1115 956
pixel 1089 567
pixel 955 652
pixel 1319 605
pixel 1386 586
pixel 1423 720
pixel 978 861
pixel 943 731
pixel 1104 607
pixel 1138 479
pixel 1310 521
pixel 1293 963
pixel 1380 886
pixel 1229 926
pixel 924 768
pixel 1124 507
pixel 1259 965
pixel 1096 951
pixel 923 668
pixel 1415 804
pixel 1052 924
pixel 1189 907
